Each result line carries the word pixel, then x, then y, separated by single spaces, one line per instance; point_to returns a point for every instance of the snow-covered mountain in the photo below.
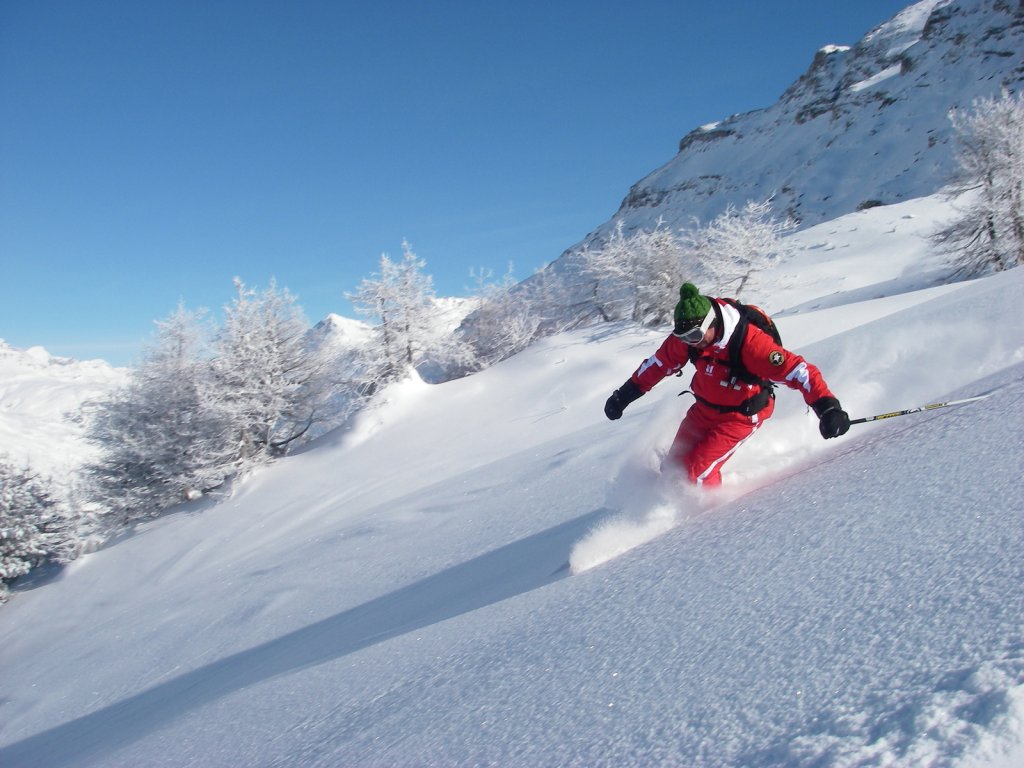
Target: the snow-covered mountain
pixel 865 125
pixel 343 334
pixel 40 398
pixel 340 332
pixel 397 594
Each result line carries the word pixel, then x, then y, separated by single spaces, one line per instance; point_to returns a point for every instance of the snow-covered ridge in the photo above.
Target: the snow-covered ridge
pixel 865 122
pixel 38 357
pixel 905 28
pixel 40 397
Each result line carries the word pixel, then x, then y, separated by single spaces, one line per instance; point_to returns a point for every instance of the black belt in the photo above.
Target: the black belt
pixel 752 405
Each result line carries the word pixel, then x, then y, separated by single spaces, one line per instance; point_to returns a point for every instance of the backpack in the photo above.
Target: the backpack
pixel 749 314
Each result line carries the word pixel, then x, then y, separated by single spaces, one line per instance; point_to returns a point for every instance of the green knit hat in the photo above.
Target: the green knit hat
pixel 691 309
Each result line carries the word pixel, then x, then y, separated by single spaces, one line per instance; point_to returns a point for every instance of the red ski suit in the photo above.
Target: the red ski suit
pixel 707 436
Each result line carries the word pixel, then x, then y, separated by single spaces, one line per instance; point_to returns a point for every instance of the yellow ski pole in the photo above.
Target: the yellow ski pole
pixel 931 407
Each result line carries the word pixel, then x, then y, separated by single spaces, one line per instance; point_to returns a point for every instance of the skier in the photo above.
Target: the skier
pixel 736 364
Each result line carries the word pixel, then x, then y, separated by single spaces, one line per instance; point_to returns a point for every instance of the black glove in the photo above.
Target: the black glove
pixel 620 398
pixel 833 421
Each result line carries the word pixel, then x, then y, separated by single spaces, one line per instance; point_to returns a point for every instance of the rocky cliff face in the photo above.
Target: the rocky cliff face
pixel 865 125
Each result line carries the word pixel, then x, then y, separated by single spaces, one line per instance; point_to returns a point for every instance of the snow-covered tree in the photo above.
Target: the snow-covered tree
pixel 736 244
pixel 635 275
pixel 163 437
pixel 33 526
pixel 503 323
pixel 272 386
pixel 988 235
pixel 548 295
pixel 398 300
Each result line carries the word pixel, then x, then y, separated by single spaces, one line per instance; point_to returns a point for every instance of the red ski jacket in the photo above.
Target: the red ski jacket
pixel 715 382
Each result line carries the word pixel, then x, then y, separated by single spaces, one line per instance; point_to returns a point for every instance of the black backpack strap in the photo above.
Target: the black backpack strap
pixel 735 347
pixel 739 336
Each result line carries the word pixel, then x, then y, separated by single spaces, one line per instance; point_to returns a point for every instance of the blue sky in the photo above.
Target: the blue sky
pixel 152 151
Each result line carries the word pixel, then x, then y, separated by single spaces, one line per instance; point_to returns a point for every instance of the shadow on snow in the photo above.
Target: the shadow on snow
pixel 506 572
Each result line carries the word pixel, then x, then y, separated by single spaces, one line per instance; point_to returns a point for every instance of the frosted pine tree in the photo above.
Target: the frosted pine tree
pixel 163 438
pixel 33 526
pixel 502 324
pixel 399 301
pixel 636 275
pixel 988 235
pixel 736 244
pixel 272 386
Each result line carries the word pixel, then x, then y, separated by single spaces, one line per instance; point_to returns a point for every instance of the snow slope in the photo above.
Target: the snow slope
pixel 399 593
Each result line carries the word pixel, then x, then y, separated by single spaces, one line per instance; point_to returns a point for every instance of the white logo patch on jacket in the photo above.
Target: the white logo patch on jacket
pixel 652 360
pixel 802 375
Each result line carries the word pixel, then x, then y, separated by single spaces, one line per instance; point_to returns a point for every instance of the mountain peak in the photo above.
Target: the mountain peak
pixel 866 122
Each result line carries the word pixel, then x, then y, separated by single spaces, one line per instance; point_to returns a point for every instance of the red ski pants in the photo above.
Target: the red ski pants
pixel 707 439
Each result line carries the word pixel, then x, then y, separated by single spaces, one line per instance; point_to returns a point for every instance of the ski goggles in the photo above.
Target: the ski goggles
pixel 696 334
